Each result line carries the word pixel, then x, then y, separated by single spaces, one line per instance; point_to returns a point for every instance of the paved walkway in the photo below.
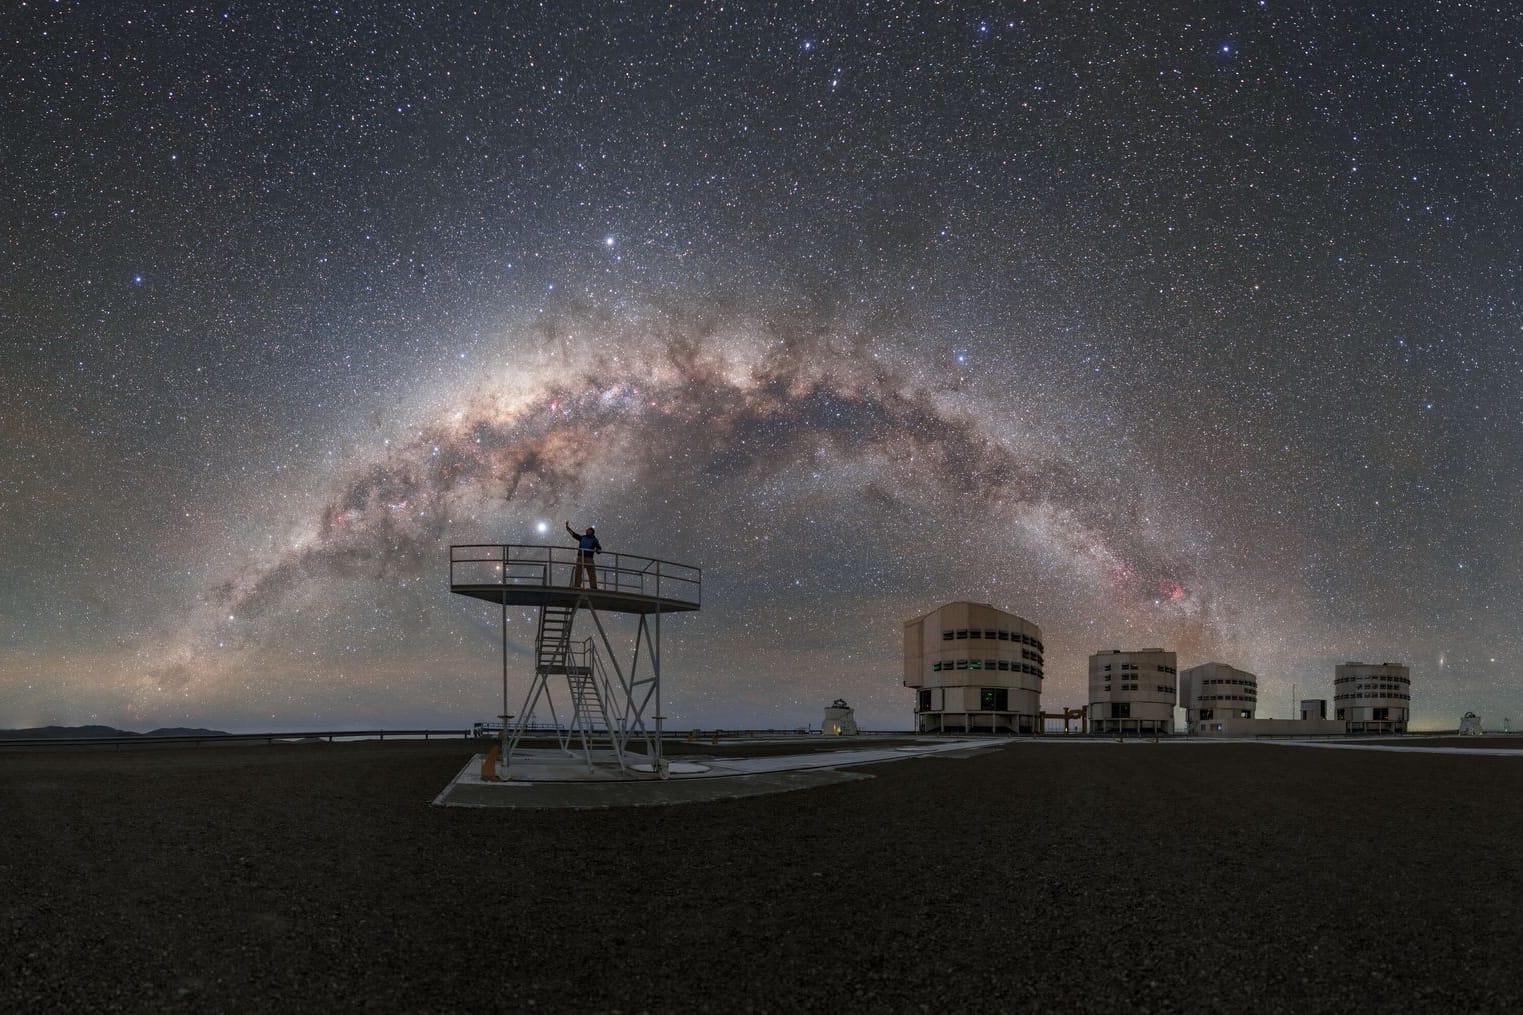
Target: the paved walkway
pixel 551 778
pixel 1348 745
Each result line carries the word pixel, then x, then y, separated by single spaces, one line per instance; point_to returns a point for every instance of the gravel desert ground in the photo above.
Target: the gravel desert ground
pixel 1041 876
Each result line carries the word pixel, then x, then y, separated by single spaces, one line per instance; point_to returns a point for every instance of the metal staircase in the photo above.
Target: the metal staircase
pixel 596 719
pixel 553 643
pixel 589 716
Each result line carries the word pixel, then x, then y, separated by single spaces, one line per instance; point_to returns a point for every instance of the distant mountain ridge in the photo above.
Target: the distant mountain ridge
pixel 101 732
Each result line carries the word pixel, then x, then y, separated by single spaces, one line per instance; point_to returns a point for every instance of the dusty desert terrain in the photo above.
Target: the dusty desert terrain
pixel 1040 876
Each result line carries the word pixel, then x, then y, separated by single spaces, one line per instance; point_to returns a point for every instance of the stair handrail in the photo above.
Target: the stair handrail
pixel 616 705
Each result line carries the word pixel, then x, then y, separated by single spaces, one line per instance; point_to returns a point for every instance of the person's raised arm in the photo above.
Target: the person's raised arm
pixel 571 530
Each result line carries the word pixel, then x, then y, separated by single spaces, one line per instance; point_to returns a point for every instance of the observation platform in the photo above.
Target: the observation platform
pixel 520 574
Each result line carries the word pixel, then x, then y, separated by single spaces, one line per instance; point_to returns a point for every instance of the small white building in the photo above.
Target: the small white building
pixel 975 669
pixel 1470 725
pixel 1132 692
pixel 839 720
pixel 1243 728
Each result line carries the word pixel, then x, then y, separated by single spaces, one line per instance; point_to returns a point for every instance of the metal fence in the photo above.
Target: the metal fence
pixel 193 739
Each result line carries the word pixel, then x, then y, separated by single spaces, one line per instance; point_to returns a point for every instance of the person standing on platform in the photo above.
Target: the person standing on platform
pixel 587 546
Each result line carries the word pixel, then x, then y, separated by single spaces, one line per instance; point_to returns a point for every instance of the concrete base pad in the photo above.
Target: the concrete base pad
pixel 552 778
pixel 631 793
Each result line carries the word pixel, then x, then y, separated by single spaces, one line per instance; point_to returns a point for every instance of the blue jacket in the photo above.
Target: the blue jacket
pixel 586 546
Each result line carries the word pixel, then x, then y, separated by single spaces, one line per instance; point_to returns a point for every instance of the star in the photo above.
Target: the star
pixel 754 298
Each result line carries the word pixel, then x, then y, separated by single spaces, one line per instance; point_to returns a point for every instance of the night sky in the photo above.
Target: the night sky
pixel 1197 329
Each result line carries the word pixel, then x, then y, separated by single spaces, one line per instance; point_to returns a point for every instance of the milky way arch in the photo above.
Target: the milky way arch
pixel 691 421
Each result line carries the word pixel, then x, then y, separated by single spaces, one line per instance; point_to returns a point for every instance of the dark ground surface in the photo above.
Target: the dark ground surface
pixel 1036 876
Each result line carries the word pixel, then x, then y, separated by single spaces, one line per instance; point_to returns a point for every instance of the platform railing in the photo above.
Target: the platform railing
pixel 529 565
